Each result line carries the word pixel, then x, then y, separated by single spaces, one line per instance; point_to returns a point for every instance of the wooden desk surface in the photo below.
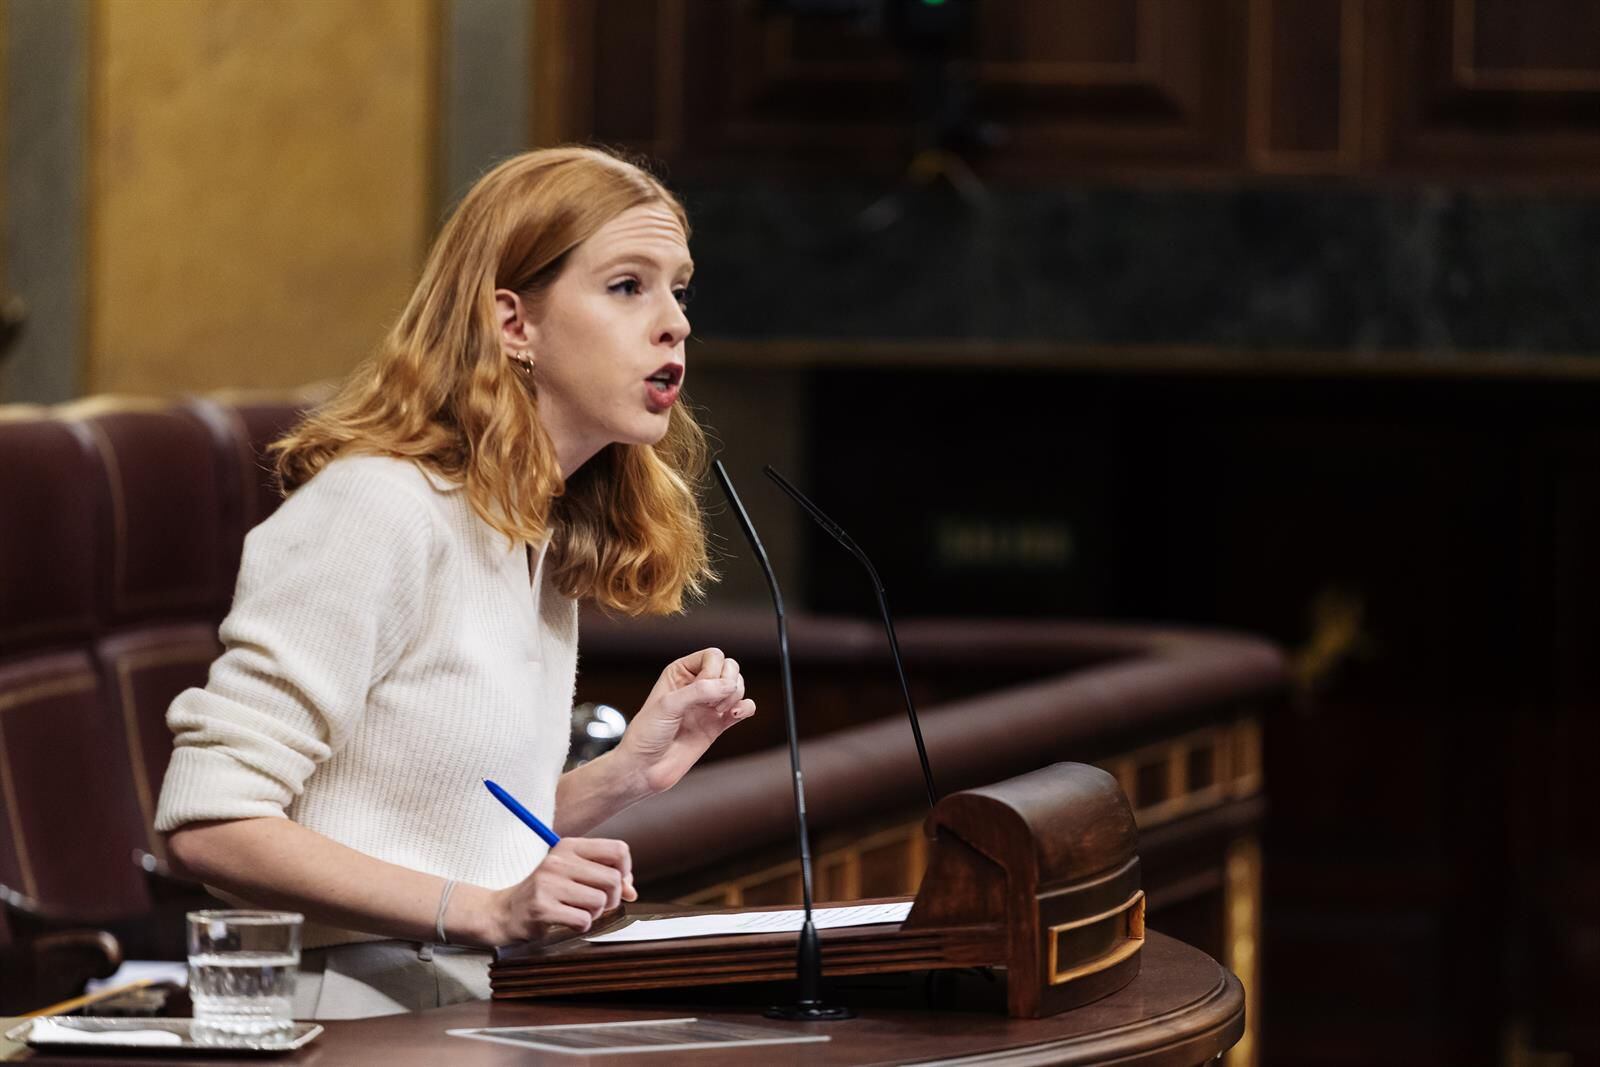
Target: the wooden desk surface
pixel 1182 1010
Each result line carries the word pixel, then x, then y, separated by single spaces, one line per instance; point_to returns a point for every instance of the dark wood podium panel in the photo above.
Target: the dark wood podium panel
pixel 1183 1009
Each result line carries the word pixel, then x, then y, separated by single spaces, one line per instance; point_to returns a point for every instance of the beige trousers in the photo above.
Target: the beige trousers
pixel 387 978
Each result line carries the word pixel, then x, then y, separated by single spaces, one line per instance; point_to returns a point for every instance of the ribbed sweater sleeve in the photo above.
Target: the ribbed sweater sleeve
pixel 330 590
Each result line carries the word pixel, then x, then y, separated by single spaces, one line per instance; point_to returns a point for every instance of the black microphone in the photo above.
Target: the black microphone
pixel 844 539
pixel 808 964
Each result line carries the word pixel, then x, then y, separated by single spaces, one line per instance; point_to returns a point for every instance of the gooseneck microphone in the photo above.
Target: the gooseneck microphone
pixel 808 965
pixel 838 534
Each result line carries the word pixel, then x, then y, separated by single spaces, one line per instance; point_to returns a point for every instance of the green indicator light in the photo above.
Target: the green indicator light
pixel 932 3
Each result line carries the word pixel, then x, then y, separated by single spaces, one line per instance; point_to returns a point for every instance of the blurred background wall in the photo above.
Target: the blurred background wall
pixel 233 194
pixel 1271 314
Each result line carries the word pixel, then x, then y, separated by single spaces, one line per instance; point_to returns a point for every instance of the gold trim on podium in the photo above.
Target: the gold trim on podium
pixel 1132 910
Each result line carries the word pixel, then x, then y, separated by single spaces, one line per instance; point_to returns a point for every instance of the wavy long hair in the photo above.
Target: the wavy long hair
pixel 626 530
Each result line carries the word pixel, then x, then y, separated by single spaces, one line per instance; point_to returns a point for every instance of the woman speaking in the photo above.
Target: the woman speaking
pixel 405 624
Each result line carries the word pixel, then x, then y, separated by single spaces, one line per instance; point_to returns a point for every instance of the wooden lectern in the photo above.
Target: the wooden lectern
pixel 1037 874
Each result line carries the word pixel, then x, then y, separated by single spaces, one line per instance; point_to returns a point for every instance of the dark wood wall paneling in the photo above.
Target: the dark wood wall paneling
pixel 1491 86
pixel 1426 550
pixel 1094 87
pixel 1433 861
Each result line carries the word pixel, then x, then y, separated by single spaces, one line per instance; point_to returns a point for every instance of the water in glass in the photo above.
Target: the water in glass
pixel 243 994
pixel 242 967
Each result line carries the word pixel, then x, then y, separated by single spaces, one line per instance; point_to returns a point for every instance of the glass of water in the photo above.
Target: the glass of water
pixel 242 967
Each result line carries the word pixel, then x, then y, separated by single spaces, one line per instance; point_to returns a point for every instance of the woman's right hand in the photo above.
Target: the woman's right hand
pixel 578 880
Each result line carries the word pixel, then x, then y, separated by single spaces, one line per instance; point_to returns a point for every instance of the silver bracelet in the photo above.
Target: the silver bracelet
pixel 444 902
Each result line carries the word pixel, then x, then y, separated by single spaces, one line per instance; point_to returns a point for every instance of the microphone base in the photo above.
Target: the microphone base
pixel 810 1011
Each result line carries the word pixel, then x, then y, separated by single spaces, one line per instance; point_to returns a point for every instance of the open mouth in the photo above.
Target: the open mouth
pixel 661 388
pixel 667 378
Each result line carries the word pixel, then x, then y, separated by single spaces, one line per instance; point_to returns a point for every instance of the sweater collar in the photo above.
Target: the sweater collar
pixel 438 481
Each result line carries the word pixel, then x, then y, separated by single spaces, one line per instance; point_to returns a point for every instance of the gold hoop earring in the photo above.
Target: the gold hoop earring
pixel 523 358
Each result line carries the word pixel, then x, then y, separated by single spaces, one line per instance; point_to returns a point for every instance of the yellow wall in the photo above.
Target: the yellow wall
pixel 261 186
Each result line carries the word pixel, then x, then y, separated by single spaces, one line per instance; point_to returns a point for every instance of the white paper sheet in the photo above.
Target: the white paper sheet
pixel 650 1035
pixel 755 922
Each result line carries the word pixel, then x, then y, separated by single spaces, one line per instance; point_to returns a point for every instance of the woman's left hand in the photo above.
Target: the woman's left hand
pixel 695 699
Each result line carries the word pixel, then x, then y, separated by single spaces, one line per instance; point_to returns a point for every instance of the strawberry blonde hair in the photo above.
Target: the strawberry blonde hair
pixel 626 529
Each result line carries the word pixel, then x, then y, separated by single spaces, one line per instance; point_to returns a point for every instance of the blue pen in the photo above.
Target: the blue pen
pixel 551 838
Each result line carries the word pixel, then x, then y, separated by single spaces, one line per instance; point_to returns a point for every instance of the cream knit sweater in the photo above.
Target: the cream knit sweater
pixel 386 651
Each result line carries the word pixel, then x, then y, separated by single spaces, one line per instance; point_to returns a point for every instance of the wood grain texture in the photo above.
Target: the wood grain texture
pixel 1017 865
pixel 1081 88
pixel 1486 87
pixel 1181 1011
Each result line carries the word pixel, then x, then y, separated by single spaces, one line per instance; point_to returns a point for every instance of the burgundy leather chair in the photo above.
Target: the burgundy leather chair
pixel 68 821
pixel 120 533
pixel 166 519
pixel 241 428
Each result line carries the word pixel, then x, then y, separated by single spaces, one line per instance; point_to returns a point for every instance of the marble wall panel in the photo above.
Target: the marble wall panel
pixel 262 186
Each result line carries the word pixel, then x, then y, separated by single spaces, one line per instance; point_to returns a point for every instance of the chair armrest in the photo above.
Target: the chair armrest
pixel 48 958
pixel 77 956
pixel 54 967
